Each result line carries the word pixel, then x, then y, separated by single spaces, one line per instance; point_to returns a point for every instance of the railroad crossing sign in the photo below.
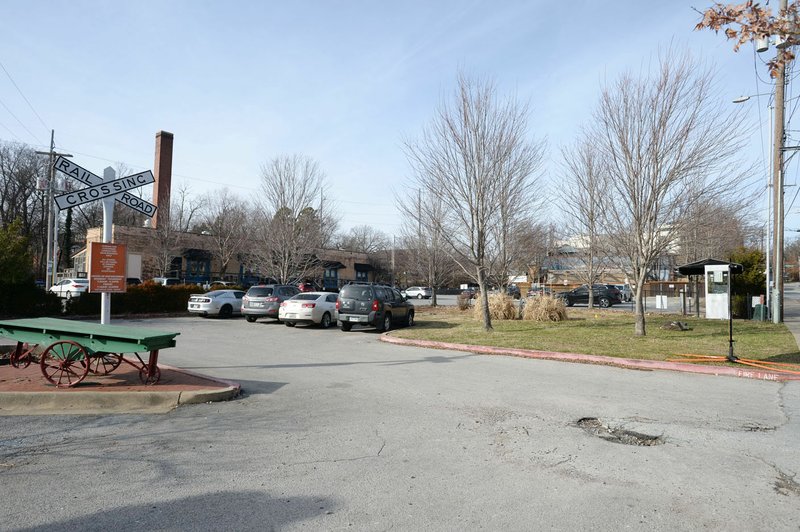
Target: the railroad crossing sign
pixel 99 189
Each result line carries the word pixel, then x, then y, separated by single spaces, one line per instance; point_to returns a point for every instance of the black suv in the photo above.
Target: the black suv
pixel 373 304
pixel 604 296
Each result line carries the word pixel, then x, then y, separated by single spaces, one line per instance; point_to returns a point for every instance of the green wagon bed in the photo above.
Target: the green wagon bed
pixel 68 350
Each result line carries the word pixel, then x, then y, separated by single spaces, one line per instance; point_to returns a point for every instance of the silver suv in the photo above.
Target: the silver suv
pixel 265 300
pixel 372 304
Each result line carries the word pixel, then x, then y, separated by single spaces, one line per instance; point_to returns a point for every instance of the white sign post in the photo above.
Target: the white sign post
pixel 108 189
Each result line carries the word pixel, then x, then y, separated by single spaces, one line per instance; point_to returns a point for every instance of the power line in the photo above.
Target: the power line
pixel 23 96
pixel 20 122
pixel 10 132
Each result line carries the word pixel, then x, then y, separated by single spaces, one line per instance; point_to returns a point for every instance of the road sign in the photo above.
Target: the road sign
pixel 78 172
pixel 137 203
pixel 85 176
pixel 103 190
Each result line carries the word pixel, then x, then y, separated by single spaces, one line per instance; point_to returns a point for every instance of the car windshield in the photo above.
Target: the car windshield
pixel 215 293
pixel 357 292
pixel 307 297
pixel 260 291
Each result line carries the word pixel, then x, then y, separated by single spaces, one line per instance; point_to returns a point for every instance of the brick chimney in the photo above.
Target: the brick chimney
pixel 162 170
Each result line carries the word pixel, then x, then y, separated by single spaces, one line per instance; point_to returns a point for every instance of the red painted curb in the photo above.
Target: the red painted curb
pixel 597 359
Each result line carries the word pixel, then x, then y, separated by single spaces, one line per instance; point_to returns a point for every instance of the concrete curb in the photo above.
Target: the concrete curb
pixel 647 365
pixel 94 402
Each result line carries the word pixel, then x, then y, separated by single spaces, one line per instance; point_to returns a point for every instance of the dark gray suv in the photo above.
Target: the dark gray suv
pixel 377 305
pixel 265 300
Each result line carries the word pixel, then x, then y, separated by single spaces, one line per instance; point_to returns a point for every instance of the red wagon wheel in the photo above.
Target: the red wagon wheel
pixel 104 363
pixel 64 363
pixel 146 377
pixel 22 356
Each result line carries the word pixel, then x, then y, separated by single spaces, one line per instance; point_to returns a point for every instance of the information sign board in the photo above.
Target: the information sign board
pixel 107 267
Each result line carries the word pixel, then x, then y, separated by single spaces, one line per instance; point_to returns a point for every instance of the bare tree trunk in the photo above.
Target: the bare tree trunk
pixel 487 317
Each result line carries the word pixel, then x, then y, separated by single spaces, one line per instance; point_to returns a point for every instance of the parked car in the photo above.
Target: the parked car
pixel 222 303
pixel 377 305
pixel 541 291
pixel 603 295
pixel 264 301
pixel 166 281
pixel 133 281
pixel 513 291
pixel 625 291
pixel 69 288
pixel 307 286
pixel 419 292
pixel 470 293
pixel 309 307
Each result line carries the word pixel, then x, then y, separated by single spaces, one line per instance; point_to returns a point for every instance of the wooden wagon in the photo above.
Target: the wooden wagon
pixel 68 350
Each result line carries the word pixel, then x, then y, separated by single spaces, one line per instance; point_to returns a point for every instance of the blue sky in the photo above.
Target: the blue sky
pixel 239 83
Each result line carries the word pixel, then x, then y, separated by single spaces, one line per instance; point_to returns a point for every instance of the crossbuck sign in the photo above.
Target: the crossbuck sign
pixel 100 189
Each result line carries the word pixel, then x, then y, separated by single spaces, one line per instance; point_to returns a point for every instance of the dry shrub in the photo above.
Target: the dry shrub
pixel 501 307
pixel 545 308
pixel 463 302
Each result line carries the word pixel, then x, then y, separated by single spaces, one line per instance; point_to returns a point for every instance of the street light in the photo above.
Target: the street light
pixel 770 229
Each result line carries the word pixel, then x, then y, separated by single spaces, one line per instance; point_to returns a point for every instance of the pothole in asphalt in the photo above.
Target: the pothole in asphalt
pixel 595 427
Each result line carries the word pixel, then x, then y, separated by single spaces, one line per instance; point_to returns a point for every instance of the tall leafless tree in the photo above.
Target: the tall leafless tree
pixel 424 248
pixel 584 199
pixel 21 171
pixel 294 220
pixel 667 143
pixel 181 216
pixel 477 160
pixel 225 218
pixel 364 239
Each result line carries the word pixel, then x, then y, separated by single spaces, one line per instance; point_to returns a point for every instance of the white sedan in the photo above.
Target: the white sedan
pixel 68 288
pixel 222 303
pixel 309 307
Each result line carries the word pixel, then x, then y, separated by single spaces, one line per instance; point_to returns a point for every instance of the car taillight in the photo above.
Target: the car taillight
pixel 77 285
pixel 245 298
pixel 309 305
pixel 337 304
pixel 271 299
pixel 375 305
pixel 283 304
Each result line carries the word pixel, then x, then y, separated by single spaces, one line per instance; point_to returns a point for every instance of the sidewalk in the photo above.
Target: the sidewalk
pixel 26 392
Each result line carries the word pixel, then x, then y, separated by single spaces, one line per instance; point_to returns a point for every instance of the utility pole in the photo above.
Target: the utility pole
pixel 777 182
pixel 52 219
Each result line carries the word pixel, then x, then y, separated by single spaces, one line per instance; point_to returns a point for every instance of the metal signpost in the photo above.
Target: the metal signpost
pixel 108 189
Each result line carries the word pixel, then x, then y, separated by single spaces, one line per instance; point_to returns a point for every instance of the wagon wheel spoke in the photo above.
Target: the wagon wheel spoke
pixel 104 363
pixel 146 378
pixel 22 356
pixel 64 363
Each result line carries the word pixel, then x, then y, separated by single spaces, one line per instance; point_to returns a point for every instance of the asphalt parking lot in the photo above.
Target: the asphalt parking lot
pixel 340 431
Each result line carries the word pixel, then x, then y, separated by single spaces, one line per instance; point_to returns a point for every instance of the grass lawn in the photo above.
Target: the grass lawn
pixel 609 333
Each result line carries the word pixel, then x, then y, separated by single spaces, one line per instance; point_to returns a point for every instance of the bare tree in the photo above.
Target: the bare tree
pixel 476 159
pixel 583 199
pixel 364 239
pixel 225 218
pixel 425 248
pixel 21 170
pixel 667 145
pixel 294 220
pixel 180 217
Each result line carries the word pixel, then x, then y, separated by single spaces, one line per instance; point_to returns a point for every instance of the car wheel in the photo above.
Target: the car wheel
pixel 604 302
pixel 568 302
pixel 346 326
pixel 68 296
pixel 226 312
pixel 325 322
pixel 250 319
pixel 410 319
pixel 289 323
pixel 419 296
pixel 386 323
